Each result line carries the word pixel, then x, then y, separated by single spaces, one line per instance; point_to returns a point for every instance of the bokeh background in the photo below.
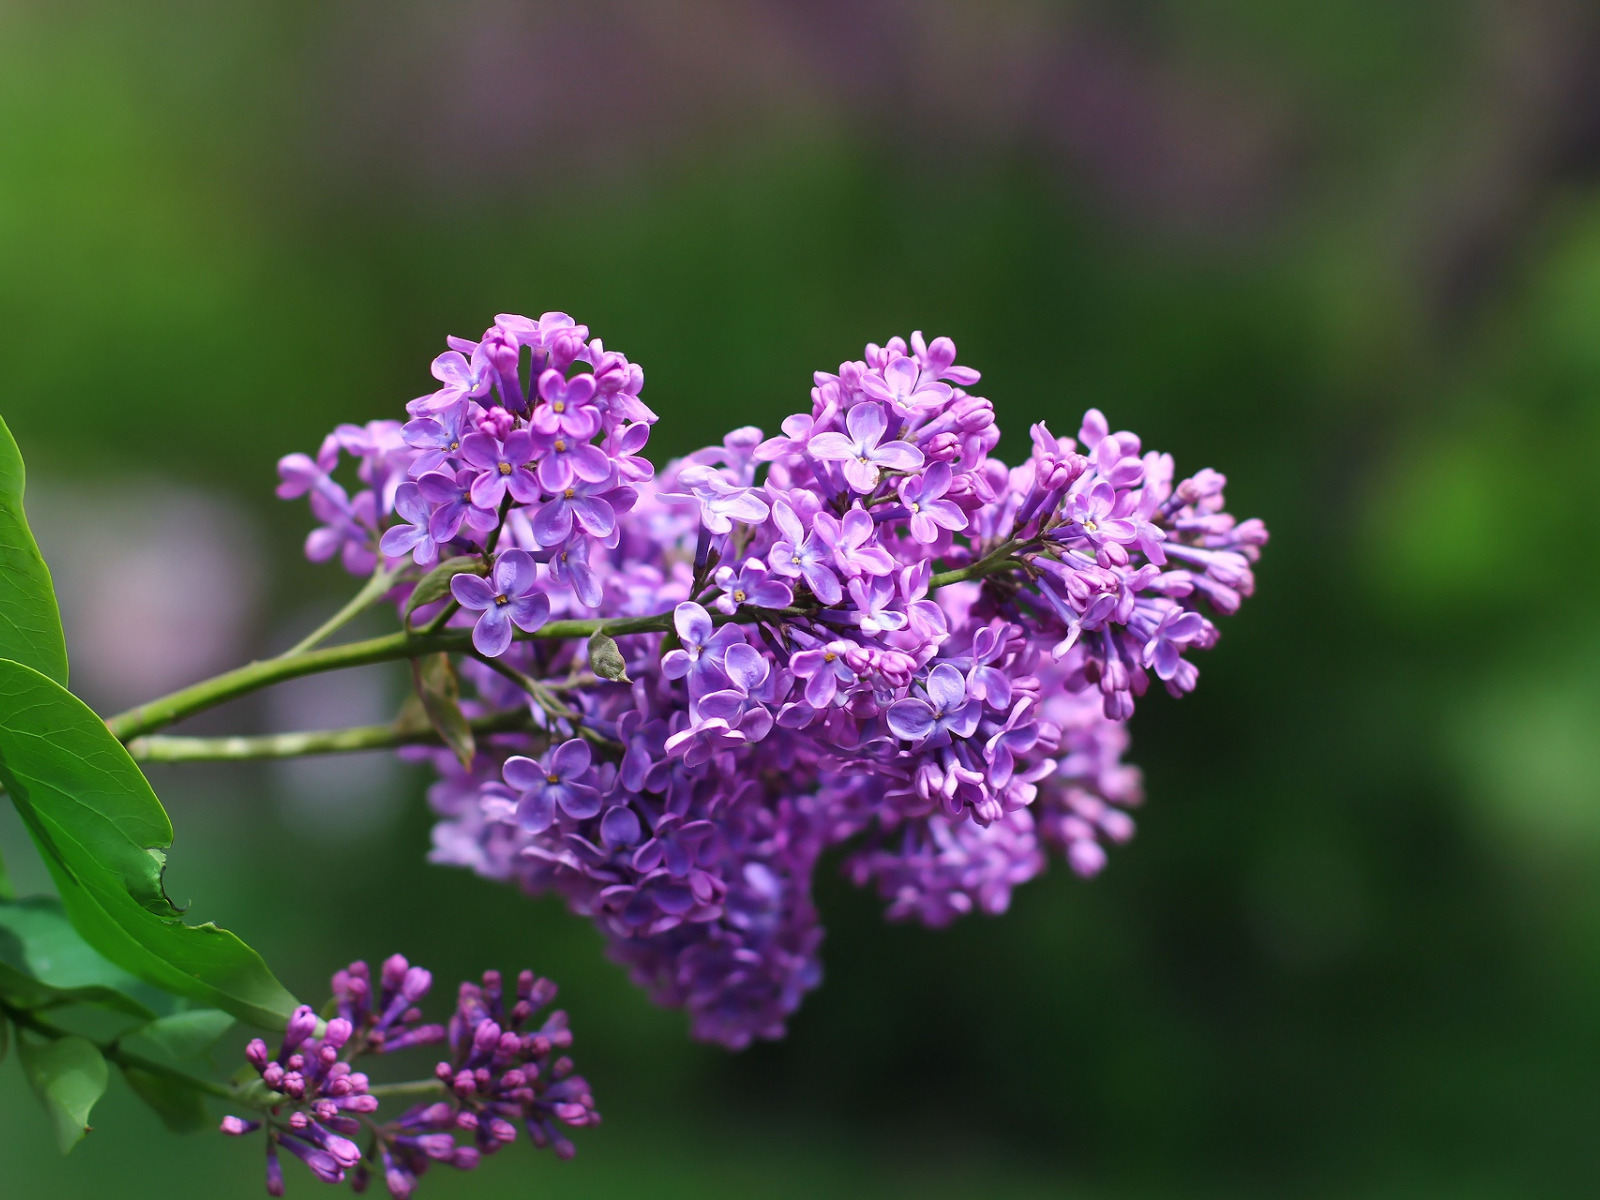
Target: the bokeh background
pixel 1347 253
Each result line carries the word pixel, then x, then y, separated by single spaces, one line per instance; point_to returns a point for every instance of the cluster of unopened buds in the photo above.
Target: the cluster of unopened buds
pixel 502 1074
pixel 689 683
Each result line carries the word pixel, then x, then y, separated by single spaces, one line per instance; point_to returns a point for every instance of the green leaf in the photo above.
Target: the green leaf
pixel 605 658
pixel 5 1038
pixel 435 585
pixel 439 690
pixel 43 958
pixel 104 836
pixel 68 1075
pixel 30 622
pixel 7 892
pixel 181 1109
pixel 181 1035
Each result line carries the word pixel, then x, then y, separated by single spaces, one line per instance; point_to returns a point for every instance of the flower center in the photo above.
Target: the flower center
pixel 738 595
pixel 828 656
pixel 502 599
pixel 505 468
pixel 1090 527
pixel 455 445
pixel 569 493
pixel 559 405
pixel 915 507
pixel 552 779
pixel 561 446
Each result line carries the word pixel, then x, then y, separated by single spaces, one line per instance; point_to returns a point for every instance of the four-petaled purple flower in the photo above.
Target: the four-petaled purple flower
pixel 701 646
pixel 501 467
pixel 944 712
pixel 563 410
pixel 751 584
pixel 906 387
pixel 413 538
pixel 923 496
pixel 861 453
pixel 560 779
pixel 510 596
pixel 721 503
pixel 804 554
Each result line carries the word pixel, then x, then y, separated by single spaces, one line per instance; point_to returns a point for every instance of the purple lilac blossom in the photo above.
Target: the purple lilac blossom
pixel 502 1072
pixel 810 665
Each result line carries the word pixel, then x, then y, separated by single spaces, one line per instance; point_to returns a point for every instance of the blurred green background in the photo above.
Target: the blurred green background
pixel 1347 253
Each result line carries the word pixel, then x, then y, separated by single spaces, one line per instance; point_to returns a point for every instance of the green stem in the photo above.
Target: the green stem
pixel 371 592
pixel 998 559
pixel 299 745
pixel 112 1052
pixel 415 1087
pixel 159 713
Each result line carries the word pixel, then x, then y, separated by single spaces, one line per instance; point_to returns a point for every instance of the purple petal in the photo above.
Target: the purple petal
pixel 409 504
pixel 488 489
pixel 692 622
pixel 620 827
pixel 746 666
pixel 590 463
pixel 536 811
pixel 866 423
pixel 910 719
pixel 522 773
pixel 831 447
pixel 471 591
pixel 481 451
pixel 946 688
pixel 530 612
pixel 439 487
pixel 515 573
pixel 577 800
pixel 898 456
pixel 824 583
pixel 594 514
pixel 519 447
pixel 553 522
pixel 492 634
pixel 570 758
pixel 402 539
pixel 861 476
pixel 720 706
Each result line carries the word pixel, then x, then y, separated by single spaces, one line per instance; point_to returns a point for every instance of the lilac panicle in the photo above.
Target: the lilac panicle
pixel 504 1073
pixel 866 629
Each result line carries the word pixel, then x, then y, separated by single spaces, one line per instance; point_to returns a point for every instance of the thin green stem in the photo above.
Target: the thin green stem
pixel 241 681
pixel 415 1087
pixel 1001 558
pixel 371 592
pixel 159 713
pixel 159 748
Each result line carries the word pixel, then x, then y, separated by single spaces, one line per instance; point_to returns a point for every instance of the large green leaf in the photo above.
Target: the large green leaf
pixel 69 1076
pixel 43 958
pixel 30 622
pixel 104 836
pixel 180 1035
pixel 181 1109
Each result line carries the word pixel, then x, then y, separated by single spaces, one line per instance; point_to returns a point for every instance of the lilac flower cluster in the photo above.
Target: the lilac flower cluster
pixel 313 1104
pixel 867 629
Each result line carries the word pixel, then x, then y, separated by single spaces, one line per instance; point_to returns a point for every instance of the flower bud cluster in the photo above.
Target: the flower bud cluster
pixel 314 1105
pixel 866 629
